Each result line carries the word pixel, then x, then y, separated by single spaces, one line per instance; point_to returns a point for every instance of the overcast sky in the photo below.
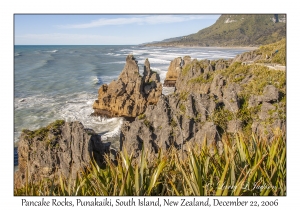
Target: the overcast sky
pixel 104 29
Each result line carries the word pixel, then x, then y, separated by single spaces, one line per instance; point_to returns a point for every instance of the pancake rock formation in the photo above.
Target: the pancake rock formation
pixel 174 69
pixel 212 98
pixel 131 93
pixel 60 149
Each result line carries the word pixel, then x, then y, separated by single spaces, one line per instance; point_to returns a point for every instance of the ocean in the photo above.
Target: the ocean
pixel 62 82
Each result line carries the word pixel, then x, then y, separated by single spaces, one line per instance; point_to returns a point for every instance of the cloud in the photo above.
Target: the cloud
pixel 141 20
pixel 73 39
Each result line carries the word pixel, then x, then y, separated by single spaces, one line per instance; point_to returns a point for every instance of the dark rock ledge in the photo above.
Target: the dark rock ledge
pixel 60 149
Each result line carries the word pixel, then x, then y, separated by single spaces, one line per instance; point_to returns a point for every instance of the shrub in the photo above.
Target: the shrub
pixel 253 166
pixel 202 79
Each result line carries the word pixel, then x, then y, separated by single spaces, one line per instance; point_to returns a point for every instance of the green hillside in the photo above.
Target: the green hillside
pixel 236 30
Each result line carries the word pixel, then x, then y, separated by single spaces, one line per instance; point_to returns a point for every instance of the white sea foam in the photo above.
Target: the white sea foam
pixel 108 79
pixel 33 101
pixel 51 51
pixel 168 90
pixel 139 52
pixel 116 131
pixel 158 70
pixel 157 60
pixel 121 62
pixel 96 80
pixel 170 56
pixel 77 108
pixel 80 109
pixel 163 75
pixel 214 51
pixel 16 136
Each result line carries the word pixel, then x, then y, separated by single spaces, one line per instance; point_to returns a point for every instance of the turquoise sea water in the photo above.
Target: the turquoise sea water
pixel 61 82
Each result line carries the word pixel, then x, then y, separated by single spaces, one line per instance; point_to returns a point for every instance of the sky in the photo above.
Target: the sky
pixel 103 29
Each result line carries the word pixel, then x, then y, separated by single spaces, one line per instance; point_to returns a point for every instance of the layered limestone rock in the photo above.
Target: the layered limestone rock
pixel 60 149
pixel 251 56
pixel 131 93
pixel 174 121
pixel 211 98
pixel 197 76
pixel 174 70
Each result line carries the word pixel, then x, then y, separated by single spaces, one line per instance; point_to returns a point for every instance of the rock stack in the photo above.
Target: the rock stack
pixel 174 70
pixel 131 93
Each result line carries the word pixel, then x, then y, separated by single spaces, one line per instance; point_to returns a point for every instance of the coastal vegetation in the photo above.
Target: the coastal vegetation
pixel 248 82
pixel 275 52
pixel 45 134
pixel 248 165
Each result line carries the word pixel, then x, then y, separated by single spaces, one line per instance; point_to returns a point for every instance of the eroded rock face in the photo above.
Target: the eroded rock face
pixel 60 149
pixel 230 97
pixel 196 75
pixel 207 102
pixel 173 121
pixel 174 70
pixel 234 126
pixel 131 93
pixel 247 57
pixel 270 95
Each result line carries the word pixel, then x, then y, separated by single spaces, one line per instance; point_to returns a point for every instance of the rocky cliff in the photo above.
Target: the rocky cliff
pixel 199 69
pixel 182 65
pixel 60 149
pixel 212 99
pixel 131 93
pixel 174 121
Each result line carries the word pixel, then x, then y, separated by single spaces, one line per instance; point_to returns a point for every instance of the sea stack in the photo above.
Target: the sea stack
pixel 130 94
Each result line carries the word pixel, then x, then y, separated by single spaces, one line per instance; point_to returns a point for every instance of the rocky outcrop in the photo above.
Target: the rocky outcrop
pixel 131 93
pixel 206 104
pixel 230 97
pixel 272 111
pixel 181 71
pixel 251 56
pixel 174 121
pixel 270 95
pixel 197 76
pixel 234 126
pixel 60 149
pixel 174 70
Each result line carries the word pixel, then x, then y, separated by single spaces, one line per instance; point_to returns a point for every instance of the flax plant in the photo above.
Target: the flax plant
pixel 241 166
